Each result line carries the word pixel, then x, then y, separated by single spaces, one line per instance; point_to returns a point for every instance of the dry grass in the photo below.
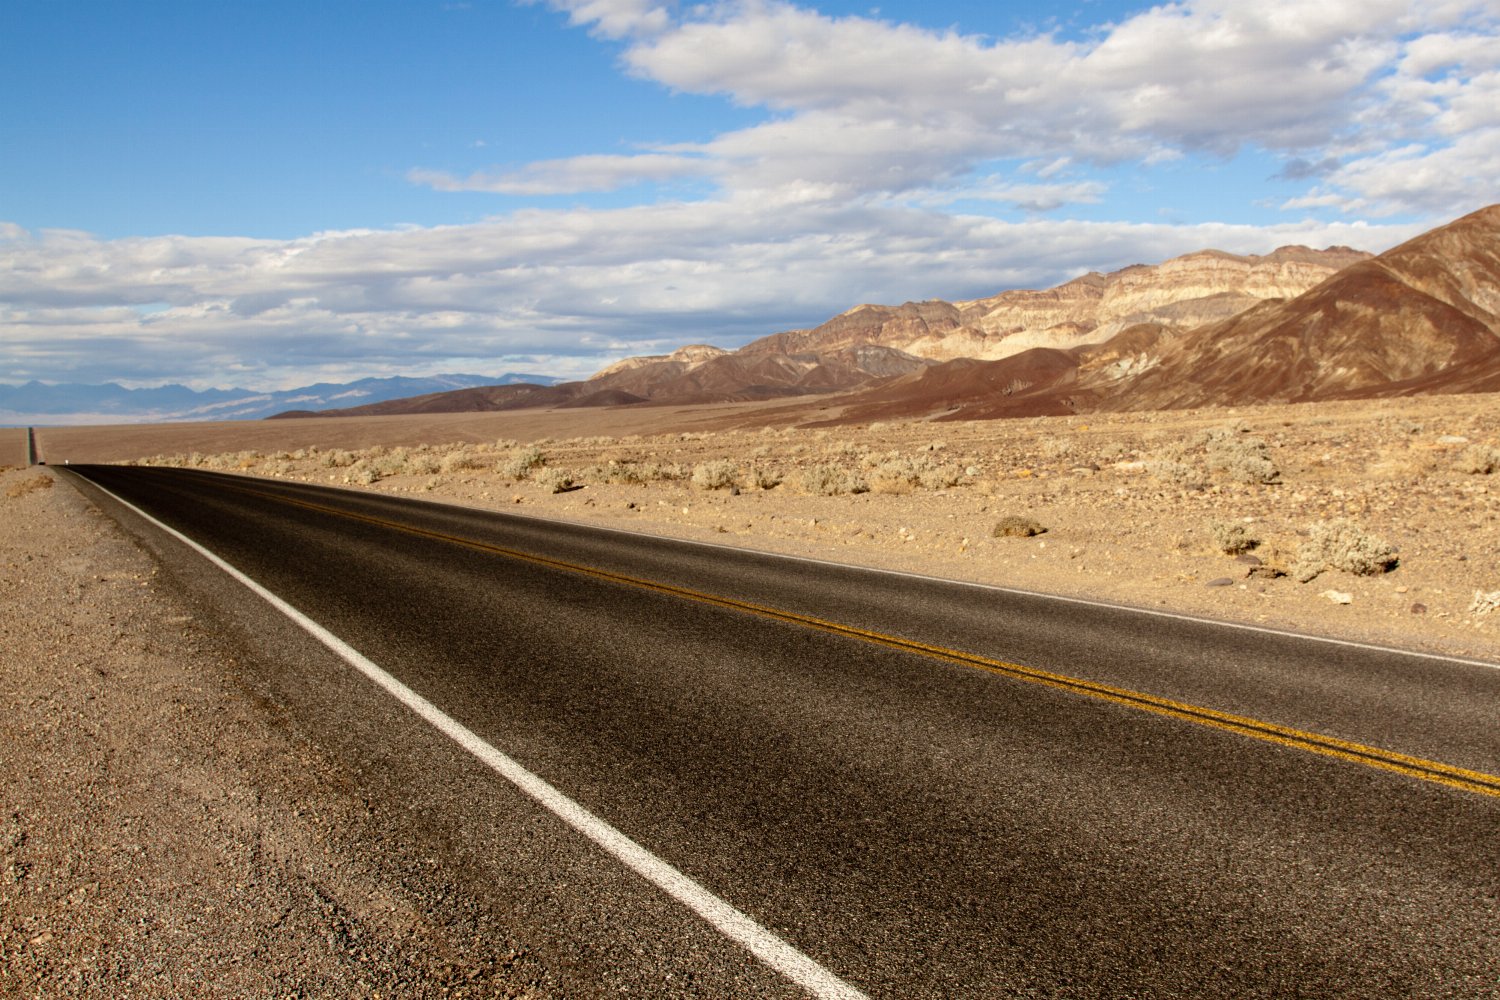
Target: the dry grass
pixel 25 486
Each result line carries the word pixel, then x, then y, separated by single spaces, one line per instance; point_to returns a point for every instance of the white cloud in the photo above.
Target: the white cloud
pixel 866 106
pixel 598 172
pixel 559 292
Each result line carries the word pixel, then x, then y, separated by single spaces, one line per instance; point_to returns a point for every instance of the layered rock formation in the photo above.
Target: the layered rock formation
pixel 1421 318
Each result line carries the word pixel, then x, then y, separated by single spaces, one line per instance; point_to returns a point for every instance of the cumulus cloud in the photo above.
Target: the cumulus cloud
pixel 861 106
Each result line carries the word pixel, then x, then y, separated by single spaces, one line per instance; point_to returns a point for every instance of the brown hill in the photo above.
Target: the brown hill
pixel 1421 318
pixel 1182 293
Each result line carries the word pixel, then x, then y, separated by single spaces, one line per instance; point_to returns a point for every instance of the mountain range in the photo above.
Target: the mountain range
pixel 40 403
pixel 1207 328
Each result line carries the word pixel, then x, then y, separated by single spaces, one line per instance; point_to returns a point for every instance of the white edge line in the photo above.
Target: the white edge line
pixel 724 917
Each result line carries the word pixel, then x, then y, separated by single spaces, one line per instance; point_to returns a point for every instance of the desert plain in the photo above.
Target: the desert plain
pixel 1212 512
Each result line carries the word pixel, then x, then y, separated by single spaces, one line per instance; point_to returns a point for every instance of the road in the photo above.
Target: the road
pixel 927 789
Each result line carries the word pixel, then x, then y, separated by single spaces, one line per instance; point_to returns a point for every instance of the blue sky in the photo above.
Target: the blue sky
pixel 270 194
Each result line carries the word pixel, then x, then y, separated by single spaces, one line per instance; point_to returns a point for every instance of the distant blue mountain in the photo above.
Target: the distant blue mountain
pixel 37 403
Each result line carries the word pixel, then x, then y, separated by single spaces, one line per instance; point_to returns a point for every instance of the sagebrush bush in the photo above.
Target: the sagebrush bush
pixel 1244 459
pixel 423 465
pixel 521 462
pixel 555 480
pixel 718 474
pixel 462 459
pixel 1177 473
pixel 1342 545
pixel 765 477
pixel 832 480
pixel 1232 537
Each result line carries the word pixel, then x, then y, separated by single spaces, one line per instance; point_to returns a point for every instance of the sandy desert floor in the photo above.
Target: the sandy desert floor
pixel 1220 513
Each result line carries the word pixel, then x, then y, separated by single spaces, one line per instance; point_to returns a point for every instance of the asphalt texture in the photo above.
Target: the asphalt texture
pixel 921 827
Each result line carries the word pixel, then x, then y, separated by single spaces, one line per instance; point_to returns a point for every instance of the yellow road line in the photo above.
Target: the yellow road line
pixel 1329 746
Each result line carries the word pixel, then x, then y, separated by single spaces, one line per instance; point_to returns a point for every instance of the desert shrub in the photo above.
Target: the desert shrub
pixel 554 480
pixel 1177 473
pixel 424 464
pixel 362 474
pixel 521 462
pixel 338 459
pixel 718 474
pixel 1342 545
pixel 940 477
pixel 832 480
pixel 1015 526
pixel 1479 460
pixel 765 477
pixel 392 463
pixel 1232 537
pixel 1244 459
pixel 895 475
pixel 462 459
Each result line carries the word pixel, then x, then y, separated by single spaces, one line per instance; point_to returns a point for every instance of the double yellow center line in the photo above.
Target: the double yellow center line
pixel 1356 753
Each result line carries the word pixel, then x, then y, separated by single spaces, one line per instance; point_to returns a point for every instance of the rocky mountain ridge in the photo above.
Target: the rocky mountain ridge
pixel 1208 328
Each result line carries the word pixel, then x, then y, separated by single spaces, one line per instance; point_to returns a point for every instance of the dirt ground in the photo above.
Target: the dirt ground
pixel 166 833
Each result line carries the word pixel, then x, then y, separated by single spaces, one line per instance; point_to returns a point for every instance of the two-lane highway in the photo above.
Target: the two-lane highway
pixel 919 788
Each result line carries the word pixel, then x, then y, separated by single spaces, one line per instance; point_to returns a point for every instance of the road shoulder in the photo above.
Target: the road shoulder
pixel 166 831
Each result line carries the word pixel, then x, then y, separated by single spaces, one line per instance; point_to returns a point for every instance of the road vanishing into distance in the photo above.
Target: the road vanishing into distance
pixel 838 782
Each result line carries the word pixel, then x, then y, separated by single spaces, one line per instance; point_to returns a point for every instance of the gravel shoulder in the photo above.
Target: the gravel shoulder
pixel 164 832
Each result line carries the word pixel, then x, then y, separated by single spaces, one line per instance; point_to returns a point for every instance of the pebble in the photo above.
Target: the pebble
pixel 1338 596
pixel 1419 608
pixel 1222 581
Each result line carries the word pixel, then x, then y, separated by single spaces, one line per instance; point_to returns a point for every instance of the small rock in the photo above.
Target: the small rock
pixel 1419 608
pixel 1247 559
pixel 1222 581
pixel 1452 439
pixel 1266 572
pixel 1013 526
pixel 1338 596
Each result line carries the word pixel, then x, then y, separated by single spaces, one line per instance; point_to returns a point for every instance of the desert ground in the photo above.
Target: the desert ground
pixel 166 831
pixel 1373 521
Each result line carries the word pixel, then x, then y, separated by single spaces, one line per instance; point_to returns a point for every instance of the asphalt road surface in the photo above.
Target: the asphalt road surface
pixel 922 789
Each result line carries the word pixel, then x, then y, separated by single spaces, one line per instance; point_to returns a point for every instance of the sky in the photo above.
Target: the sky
pixel 268 194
